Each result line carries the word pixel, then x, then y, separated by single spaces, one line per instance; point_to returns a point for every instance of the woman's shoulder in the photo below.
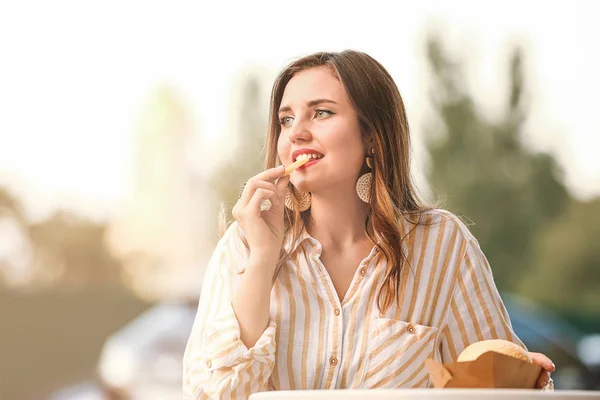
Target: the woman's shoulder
pixel 437 218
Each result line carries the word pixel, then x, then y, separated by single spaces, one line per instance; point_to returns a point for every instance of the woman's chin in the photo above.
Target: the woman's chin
pixel 302 186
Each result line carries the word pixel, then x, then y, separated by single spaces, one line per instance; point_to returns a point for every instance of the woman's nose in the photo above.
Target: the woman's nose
pixel 300 131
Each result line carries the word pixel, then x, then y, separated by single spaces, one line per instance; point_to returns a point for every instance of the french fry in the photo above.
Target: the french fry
pixel 299 162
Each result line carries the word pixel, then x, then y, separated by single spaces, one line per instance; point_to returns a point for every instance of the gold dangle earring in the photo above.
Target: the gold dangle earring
pixel 364 183
pixel 294 196
pixel 297 199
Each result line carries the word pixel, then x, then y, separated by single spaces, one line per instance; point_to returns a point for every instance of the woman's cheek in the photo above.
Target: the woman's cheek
pixel 283 152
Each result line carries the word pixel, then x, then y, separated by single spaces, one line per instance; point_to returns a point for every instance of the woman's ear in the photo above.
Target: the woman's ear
pixel 369 143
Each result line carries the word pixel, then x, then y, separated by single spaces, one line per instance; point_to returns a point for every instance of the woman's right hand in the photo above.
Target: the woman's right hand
pixel 263 230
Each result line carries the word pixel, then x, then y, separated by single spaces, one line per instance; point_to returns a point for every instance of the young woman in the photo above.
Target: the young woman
pixel 347 280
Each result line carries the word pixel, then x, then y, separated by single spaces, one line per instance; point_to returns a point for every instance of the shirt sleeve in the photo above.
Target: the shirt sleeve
pixel 476 310
pixel 216 363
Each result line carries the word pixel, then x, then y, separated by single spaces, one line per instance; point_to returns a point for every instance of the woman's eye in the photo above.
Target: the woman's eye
pixel 286 121
pixel 323 113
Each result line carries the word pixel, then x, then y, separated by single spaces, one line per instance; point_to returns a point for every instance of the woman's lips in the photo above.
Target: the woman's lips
pixel 308 164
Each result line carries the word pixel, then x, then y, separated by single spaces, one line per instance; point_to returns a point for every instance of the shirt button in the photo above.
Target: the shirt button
pixel 363 271
pixel 209 364
pixel 333 361
pixel 410 328
pixel 336 311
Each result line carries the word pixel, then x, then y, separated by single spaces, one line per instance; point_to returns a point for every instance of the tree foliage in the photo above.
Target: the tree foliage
pixel 484 173
pixel 540 241
pixel 247 158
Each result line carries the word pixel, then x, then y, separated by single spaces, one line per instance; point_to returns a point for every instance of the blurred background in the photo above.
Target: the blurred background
pixel 125 125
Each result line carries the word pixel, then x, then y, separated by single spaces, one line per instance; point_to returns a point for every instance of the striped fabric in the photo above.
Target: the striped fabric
pixel 448 300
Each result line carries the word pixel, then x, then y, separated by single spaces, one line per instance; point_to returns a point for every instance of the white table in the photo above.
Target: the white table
pixel 425 394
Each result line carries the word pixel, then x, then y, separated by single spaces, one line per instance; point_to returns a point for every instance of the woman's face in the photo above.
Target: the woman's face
pixel 316 117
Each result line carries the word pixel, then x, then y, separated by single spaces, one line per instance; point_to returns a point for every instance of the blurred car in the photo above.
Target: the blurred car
pixel 82 391
pixel 545 332
pixel 589 351
pixel 144 359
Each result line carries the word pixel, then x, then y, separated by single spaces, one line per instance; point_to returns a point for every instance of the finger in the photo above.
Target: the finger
pixel 282 184
pixel 280 188
pixel 251 186
pixel 543 361
pixel 543 379
pixel 254 204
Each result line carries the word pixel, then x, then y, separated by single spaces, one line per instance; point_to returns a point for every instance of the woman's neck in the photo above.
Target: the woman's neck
pixel 338 219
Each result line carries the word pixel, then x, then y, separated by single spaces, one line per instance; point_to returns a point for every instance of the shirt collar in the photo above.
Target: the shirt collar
pixel 290 246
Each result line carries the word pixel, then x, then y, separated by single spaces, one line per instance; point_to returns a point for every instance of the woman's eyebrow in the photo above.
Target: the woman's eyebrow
pixel 311 103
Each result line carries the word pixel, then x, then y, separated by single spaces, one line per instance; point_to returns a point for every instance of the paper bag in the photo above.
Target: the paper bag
pixel 489 370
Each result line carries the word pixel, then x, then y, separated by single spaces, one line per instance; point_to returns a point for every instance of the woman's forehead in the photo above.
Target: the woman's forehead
pixel 312 84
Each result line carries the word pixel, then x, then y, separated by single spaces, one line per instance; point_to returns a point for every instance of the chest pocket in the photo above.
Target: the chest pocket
pixel 396 354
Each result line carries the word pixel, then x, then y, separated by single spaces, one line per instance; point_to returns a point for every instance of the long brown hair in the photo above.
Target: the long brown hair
pixel 382 118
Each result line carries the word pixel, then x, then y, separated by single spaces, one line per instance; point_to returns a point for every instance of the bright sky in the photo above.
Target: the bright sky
pixel 74 76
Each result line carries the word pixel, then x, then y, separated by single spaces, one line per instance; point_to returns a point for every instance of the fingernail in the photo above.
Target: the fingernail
pixel 542 384
pixel 553 366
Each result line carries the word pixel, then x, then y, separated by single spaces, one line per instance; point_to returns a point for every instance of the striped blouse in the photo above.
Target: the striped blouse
pixel 447 300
